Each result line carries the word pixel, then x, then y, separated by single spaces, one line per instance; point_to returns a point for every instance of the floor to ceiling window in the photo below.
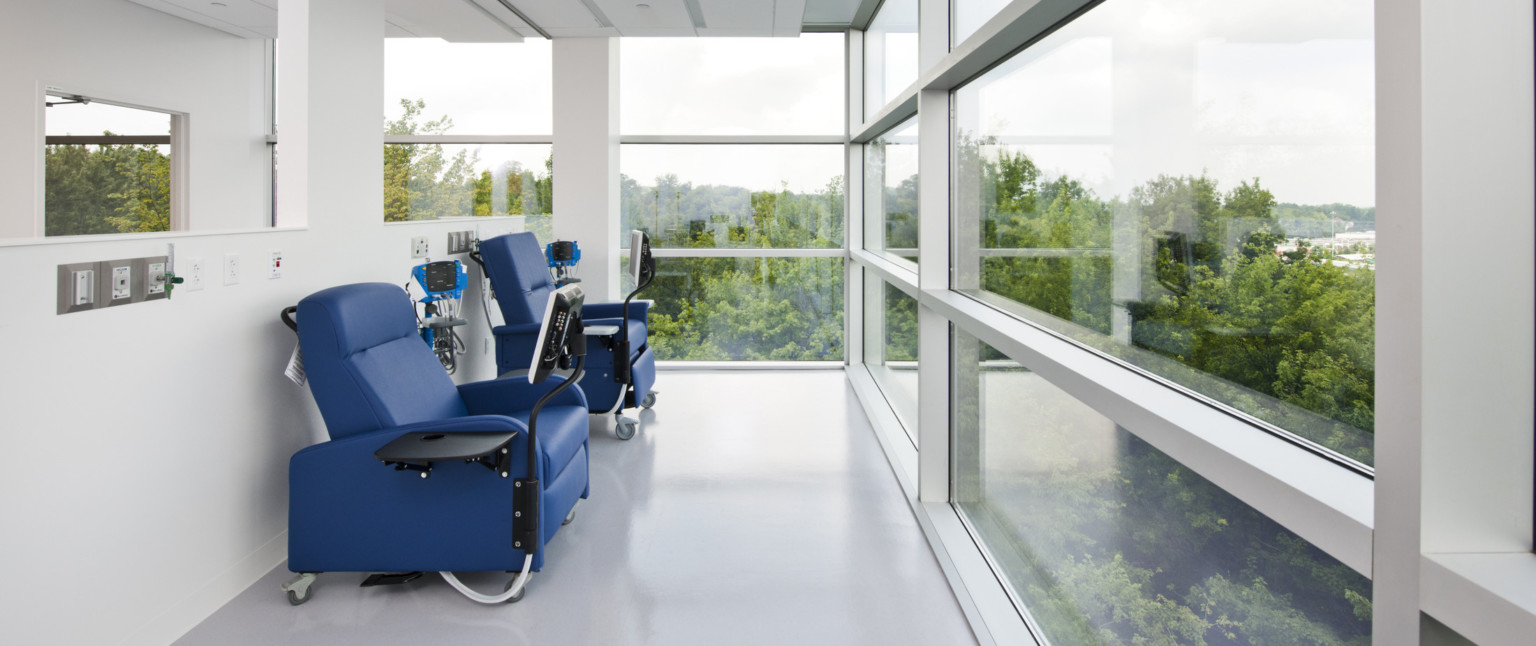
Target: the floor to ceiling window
pixel 1151 205
pixel 732 163
pixel 1197 201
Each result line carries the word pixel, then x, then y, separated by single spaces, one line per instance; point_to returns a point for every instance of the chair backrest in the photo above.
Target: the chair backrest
pixel 367 365
pixel 519 274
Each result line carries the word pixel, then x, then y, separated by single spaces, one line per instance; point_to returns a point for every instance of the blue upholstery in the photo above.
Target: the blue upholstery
pixel 375 380
pixel 520 276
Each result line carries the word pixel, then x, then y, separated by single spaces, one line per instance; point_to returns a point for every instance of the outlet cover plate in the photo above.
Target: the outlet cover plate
pixel 231 269
pixel 194 274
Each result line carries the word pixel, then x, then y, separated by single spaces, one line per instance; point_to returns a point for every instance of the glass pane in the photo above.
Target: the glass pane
pixel 105 188
pixel 751 309
pixel 890 192
pixel 431 181
pixel 1106 540
pixel 732 86
pixel 741 196
pixel 890 53
pixel 1190 187
pixel 482 88
pixel 890 347
pixel 970 15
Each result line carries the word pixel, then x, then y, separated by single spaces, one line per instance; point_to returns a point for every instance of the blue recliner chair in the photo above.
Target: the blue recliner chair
pixel 520 277
pixel 375 382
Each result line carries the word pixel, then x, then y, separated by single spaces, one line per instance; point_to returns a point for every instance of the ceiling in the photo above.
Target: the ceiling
pixel 513 20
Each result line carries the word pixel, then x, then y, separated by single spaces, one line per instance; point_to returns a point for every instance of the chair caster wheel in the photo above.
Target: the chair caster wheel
pixel 625 428
pixel 299 588
pixel 520 593
pixel 649 400
pixel 568 518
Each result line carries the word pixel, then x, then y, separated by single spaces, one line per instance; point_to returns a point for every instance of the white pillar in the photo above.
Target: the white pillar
pixel 586 209
pixel 853 200
pixel 1455 304
pixel 330 152
pixel 933 259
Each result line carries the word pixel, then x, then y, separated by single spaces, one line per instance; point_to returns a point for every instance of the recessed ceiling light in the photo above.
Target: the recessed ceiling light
pixel 642 5
pixel 218 4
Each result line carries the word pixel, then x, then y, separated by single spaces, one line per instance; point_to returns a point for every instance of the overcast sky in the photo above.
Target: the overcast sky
pixel 1282 91
pixel 1276 89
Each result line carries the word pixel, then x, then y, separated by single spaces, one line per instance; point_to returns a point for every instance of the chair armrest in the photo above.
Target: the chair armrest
pixel 600 330
pixel 638 310
pixel 515 395
pixel 514 330
pixel 364 444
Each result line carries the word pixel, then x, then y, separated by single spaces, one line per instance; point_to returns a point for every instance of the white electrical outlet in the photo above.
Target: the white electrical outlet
pixel 122 285
pixel 231 269
pixel 194 274
pixel 154 279
pixel 85 287
pixel 275 269
pixel 419 248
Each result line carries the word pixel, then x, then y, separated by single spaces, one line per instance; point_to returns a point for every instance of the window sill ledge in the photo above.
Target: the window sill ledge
pixel 1326 504
pixel 1488 598
pixel 170 236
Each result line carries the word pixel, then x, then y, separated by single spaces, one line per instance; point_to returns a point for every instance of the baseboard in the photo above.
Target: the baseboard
pixel 191 610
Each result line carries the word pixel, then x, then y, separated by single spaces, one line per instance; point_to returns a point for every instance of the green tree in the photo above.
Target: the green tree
pixel 106 189
pixel 483 194
pixel 420 181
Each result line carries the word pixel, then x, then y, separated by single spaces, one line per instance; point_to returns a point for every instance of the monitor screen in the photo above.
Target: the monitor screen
pixel 639 254
pixel 563 307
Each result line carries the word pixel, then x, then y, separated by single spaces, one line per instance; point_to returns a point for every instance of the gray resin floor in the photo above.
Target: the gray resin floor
pixel 752 508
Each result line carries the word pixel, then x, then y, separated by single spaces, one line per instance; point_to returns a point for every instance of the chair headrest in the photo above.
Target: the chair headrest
pixel 519 273
pixel 363 315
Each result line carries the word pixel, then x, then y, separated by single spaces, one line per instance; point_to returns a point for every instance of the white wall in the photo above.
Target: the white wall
pixel 122 52
pixel 148 444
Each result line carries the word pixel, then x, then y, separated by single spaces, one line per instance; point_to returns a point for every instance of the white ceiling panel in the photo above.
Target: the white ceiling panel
pixel 737 18
pixel 492 21
pixel 787 15
pixel 830 12
pixel 458 21
pixel 655 18
pixel 500 12
pixel 245 18
pixel 563 18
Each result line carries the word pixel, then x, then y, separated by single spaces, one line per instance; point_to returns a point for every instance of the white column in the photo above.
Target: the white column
pixel 332 81
pixel 586 209
pixel 1455 286
pixel 933 259
pixel 853 200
